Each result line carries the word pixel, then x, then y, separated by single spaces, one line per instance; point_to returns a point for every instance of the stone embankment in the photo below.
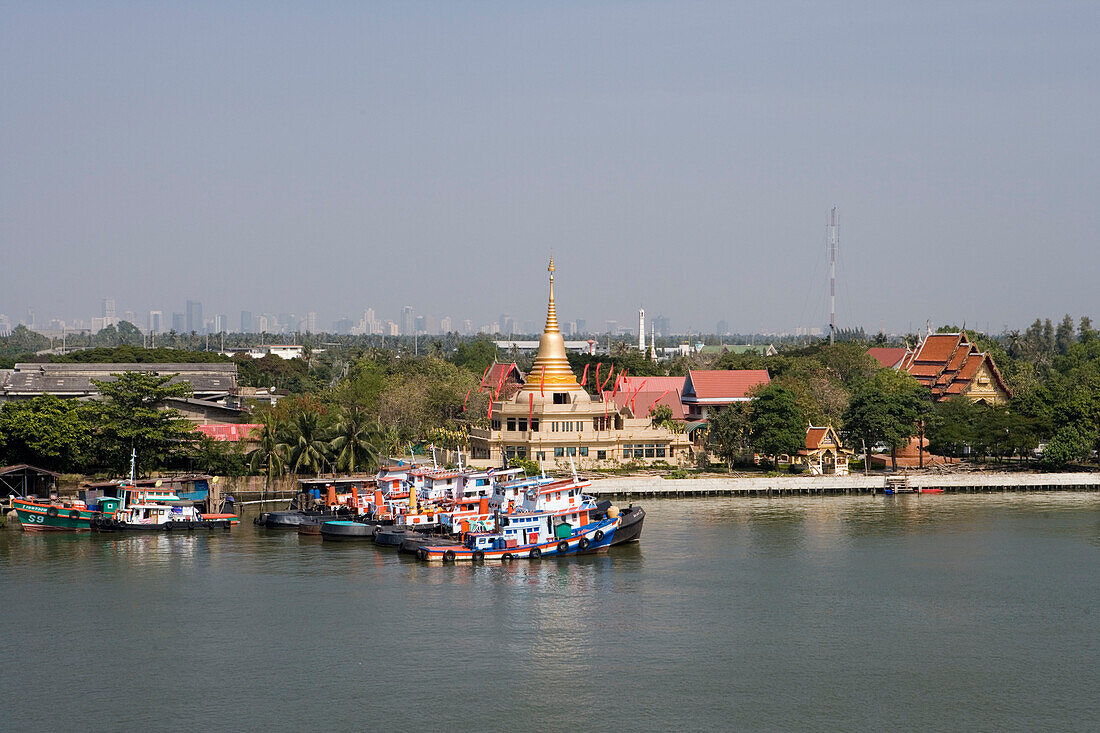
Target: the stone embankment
pixel 630 487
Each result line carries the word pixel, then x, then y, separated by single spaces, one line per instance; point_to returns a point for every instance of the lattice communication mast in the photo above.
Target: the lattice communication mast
pixel 832 242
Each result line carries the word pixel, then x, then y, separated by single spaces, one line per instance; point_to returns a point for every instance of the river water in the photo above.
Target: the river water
pixel 949 612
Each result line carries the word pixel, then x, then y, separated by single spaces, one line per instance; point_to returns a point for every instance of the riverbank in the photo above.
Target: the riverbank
pixel 632 487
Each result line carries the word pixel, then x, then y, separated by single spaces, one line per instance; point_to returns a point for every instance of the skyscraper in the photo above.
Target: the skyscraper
pixel 156 322
pixel 408 321
pixel 177 322
pixel 194 316
pixel 311 322
pixel 246 322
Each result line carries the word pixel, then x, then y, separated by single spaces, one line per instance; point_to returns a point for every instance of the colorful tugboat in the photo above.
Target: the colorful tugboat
pixel 530 536
pixel 57 516
pixel 153 508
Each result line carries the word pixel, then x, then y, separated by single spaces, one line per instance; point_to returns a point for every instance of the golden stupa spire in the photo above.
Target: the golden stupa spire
pixel 551 360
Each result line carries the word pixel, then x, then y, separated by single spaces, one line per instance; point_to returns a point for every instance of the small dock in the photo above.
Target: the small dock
pixel 642 487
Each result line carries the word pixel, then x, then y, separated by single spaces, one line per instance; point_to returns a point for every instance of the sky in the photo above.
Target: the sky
pixel 680 156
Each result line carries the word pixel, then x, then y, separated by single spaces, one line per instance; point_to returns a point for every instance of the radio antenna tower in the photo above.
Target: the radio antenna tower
pixel 832 241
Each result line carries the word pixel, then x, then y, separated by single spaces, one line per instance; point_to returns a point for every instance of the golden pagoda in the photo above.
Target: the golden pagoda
pixel 551 371
pixel 552 419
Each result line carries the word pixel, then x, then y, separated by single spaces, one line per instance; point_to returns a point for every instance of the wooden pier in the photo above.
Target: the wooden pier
pixel 639 487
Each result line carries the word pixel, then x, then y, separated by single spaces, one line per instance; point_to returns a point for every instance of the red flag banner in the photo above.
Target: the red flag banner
pixel 597 385
pixel 481 384
pixel 490 409
pixel 658 400
pixel 584 377
pixel 471 389
pixel 609 373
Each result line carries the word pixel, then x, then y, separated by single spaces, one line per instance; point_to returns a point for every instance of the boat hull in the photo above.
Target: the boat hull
pixel 174 526
pixel 36 517
pixel 592 538
pixel 630 525
pixel 346 531
pixel 291 519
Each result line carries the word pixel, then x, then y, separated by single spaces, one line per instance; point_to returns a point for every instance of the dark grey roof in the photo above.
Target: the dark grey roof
pixel 75 380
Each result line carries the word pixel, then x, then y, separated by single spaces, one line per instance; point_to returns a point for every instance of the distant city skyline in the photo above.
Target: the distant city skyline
pixel 408 319
pixel 681 157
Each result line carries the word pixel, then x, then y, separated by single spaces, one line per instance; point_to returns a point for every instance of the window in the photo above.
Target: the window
pixel 510 451
pixel 535 424
pixel 559 452
pixel 660 451
pixel 584 451
pixel 494 424
pixel 572 451
pixel 521 452
pixel 561 398
pixel 649 451
pixel 523 425
pixel 601 455
pixel 511 423
pixel 554 427
pixel 540 455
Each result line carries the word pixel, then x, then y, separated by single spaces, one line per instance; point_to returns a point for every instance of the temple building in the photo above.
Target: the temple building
pixel 949 364
pixel 823 454
pixel 552 419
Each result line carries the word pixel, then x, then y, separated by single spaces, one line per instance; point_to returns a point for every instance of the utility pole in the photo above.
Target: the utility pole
pixel 832 241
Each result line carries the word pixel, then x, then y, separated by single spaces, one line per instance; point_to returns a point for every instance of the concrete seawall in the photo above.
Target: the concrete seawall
pixel 638 486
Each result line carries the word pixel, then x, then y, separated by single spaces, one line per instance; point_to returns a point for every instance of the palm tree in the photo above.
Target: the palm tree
pixel 270 452
pixel 354 445
pixel 308 450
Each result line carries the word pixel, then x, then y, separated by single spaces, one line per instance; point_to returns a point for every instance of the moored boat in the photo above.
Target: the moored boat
pixel 344 530
pixel 56 516
pixel 524 536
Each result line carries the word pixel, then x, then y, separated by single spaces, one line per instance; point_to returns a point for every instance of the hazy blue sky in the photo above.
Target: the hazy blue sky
pixel 679 156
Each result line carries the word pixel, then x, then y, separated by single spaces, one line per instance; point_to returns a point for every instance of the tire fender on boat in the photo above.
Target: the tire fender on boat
pixel 478 555
pixel 449 556
pixel 74 514
pixel 421 553
pixel 599 535
pixel 563 546
pixel 583 544
pixel 535 553
pixel 51 512
pixel 507 557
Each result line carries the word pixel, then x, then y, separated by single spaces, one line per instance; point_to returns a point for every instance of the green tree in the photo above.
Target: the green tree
pixel 132 416
pixel 308 449
pixel 776 425
pixel 1070 444
pixel 47 432
pixel 270 453
pixel 729 434
pixel 884 410
pixel 354 445
pixel 475 355
pixel 953 427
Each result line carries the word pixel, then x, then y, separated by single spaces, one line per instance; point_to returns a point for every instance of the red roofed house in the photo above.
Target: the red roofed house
pixel 505 377
pixel 708 390
pixel 641 394
pixel 229 433
pixel 949 364
pixel 890 357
